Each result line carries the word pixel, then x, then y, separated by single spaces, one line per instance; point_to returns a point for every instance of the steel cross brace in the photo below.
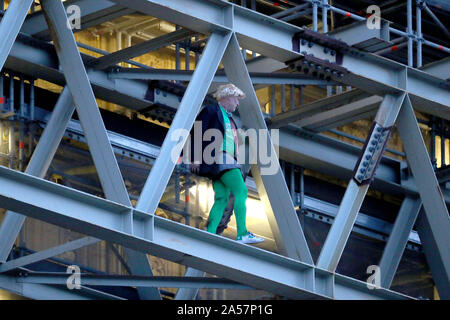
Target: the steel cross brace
pixel 10 26
pixel 189 282
pixel 398 238
pixel 435 223
pixel 354 195
pixel 189 293
pixel 48 253
pixel 49 292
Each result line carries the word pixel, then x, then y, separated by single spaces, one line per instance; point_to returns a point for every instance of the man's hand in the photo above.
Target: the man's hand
pixel 195 168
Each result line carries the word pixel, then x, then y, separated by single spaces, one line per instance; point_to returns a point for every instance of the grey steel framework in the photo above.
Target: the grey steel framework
pixel 397 90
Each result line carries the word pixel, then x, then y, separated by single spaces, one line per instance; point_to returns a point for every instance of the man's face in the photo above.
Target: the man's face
pixel 230 103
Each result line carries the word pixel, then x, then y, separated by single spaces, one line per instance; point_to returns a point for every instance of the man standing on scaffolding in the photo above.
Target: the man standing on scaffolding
pixel 226 173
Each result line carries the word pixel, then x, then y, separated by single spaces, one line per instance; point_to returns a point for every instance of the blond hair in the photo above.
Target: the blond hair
pixel 227 90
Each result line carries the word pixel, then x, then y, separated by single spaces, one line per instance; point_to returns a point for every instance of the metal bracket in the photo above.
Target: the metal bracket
pixel 374 147
pixel 319 68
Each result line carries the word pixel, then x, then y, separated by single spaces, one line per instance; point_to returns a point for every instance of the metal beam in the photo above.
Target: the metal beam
pixel 357 110
pixel 134 281
pixel 93 126
pixel 437 21
pixel 48 292
pixel 140 49
pixel 186 75
pixel 272 187
pixel 398 239
pixel 437 258
pixel 48 253
pixel 285 12
pixel 273 38
pixel 320 105
pixel 297 15
pixel 378 228
pixel 430 192
pixel 358 35
pixel 440 69
pixel 354 194
pixel 189 293
pixel 169 240
pixel 10 26
pixel 38 165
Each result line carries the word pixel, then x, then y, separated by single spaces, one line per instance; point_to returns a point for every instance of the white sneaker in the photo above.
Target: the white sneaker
pixel 249 238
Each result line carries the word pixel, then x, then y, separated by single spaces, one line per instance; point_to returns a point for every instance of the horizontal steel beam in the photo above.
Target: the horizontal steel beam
pixel 48 292
pixel 363 221
pixel 343 115
pixel 289 11
pixel 133 281
pixel 273 38
pixel 186 75
pixel 176 242
pixel 48 253
pixel 440 69
pixel 315 107
pixel 358 35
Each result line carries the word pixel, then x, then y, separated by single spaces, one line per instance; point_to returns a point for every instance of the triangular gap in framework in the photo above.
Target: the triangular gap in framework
pixel 38 165
pixel 183 121
pixel 270 180
pixel 434 222
pixel 85 102
pixel 362 175
pixel 95 132
pixel 10 26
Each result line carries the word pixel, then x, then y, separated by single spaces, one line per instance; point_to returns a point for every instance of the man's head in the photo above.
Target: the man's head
pixel 228 96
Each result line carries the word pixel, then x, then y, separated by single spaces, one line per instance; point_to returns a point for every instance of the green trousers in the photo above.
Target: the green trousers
pixel 232 181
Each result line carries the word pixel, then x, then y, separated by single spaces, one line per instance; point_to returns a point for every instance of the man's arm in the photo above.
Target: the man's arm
pixel 204 118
